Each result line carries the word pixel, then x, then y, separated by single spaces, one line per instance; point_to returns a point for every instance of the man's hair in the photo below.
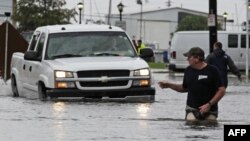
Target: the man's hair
pixel 218 45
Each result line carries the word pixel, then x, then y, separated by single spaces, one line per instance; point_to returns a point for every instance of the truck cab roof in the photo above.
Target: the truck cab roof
pixel 78 27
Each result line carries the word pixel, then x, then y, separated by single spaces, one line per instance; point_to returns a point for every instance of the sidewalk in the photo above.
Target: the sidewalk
pixel 160 70
pixel 230 75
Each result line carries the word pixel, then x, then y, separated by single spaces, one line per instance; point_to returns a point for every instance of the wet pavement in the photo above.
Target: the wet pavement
pixel 28 119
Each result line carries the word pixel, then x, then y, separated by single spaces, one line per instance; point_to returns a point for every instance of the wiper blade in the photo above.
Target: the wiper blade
pixel 66 56
pixel 104 54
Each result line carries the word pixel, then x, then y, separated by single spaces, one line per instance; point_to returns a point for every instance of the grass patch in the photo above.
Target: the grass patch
pixel 154 65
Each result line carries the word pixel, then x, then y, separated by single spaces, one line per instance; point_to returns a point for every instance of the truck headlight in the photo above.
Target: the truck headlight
pixel 64 74
pixel 141 82
pixel 65 85
pixel 141 72
pixel 61 83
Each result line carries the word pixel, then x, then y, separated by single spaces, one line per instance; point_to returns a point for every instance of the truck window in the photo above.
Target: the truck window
pixel 34 41
pixel 232 41
pixel 88 44
pixel 40 45
pixel 243 41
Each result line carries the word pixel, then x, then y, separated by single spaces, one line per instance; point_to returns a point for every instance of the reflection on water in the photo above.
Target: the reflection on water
pixel 58 107
pixel 59 127
pixel 143 109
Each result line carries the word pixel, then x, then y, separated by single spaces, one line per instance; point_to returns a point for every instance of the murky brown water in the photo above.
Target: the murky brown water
pixel 24 119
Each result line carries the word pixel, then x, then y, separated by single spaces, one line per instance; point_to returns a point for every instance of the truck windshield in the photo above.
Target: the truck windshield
pixel 76 44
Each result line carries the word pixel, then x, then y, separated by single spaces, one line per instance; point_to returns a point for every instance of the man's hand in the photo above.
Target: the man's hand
pixel 164 84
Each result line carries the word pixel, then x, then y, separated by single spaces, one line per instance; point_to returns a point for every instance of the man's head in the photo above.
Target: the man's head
pixel 139 42
pixel 218 45
pixel 196 52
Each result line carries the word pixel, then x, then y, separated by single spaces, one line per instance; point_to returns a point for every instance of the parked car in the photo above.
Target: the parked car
pixel 234 44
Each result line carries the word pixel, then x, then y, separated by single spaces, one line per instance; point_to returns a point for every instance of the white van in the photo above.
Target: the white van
pixel 234 44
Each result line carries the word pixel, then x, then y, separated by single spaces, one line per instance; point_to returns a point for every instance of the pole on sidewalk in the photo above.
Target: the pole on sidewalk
pixel 110 4
pixel 6 52
pixel 213 24
pixel 247 39
pixel 7 14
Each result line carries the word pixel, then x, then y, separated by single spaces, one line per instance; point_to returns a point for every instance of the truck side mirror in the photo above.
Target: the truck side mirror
pixel 146 54
pixel 31 55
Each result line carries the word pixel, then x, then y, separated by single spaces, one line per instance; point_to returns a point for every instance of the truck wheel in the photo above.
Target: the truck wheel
pixel 42 95
pixel 14 86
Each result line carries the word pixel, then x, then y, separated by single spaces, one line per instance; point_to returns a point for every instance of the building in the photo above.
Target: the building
pixel 155 26
pixel 5 6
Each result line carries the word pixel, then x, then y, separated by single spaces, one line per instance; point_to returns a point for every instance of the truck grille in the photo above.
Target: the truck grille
pixel 101 73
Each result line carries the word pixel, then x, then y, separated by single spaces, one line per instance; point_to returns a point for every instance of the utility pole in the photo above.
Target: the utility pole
pixel 14 5
pixel 110 4
pixel 212 23
pixel 169 3
pixel 247 39
pixel 140 3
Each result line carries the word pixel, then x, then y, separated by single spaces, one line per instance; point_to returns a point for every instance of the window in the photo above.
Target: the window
pixel 243 41
pixel 89 44
pixel 232 41
pixel 40 45
pixel 34 40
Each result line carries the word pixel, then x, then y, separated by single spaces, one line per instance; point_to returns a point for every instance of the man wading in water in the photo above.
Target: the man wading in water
pixel 203 84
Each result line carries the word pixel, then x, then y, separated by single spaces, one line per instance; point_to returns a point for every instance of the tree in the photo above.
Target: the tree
pixel 194 22
pixel 33 13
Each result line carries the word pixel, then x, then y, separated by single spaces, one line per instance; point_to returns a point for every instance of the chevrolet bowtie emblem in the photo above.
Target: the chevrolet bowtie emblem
pixel 104 79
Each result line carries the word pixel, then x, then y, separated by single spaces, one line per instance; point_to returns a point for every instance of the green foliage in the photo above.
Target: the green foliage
pixel 30 14
pixel 157 65
pixel 194 23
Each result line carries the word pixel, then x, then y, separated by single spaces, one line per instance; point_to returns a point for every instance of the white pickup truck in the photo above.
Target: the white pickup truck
pixel 90 61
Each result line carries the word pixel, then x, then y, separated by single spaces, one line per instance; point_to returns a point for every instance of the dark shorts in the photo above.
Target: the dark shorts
pixel 198 115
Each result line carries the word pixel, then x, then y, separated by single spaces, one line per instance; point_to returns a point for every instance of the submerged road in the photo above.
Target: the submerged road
pixel 28 119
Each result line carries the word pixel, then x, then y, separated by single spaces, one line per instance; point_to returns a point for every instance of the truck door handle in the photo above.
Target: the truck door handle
pixel 30 68
pixel 24 66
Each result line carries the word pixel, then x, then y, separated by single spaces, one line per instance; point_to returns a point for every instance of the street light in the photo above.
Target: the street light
pixel 80 7
pixel 225 20
pixel 120 8
pixel 140 3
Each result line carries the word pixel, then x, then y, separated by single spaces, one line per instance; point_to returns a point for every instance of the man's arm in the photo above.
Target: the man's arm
pixel 217 97
pixel 219 94
pixel 173 86
pixel 232 67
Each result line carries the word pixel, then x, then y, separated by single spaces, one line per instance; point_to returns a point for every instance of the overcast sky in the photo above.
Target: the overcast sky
pixel 234 8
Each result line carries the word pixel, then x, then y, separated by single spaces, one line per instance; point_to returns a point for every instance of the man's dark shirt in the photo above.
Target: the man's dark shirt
pixel 222 61
pixel 201 85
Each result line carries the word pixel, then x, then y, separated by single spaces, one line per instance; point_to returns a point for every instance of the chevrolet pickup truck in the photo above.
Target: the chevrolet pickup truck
pixel 88 61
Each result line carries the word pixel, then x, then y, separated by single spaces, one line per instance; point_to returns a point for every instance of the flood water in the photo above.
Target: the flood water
pixel 26 119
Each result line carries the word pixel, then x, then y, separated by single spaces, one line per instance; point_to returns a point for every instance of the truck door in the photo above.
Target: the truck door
pixel 233 48
pixel 35 66
pixel 27 66
pixel 243 52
